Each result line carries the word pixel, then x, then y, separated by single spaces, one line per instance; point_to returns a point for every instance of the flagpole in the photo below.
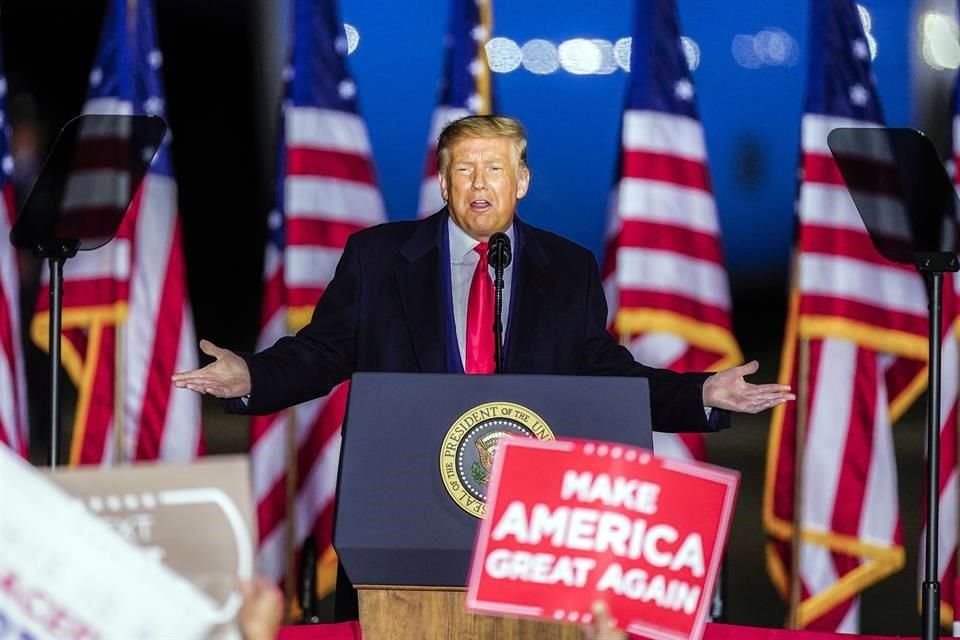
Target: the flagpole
pixel 800 429
pixel 955 632
pixel 119 434
pixel 955 629
pixel 290 568
pixel 119 439
pixel 483 73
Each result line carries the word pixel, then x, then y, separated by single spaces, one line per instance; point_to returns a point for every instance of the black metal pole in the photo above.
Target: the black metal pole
pixel 498 315
pixel 307 587
pixel 498 255
pixel 718 603
pixel 56 307
pixel 930 592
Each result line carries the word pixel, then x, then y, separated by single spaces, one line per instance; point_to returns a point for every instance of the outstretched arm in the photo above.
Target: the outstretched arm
pixel 226 377
pixel 296 368
pixel 675 399
pixel 729 390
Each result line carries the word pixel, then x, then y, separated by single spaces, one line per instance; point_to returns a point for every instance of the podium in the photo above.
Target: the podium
pixel 414 464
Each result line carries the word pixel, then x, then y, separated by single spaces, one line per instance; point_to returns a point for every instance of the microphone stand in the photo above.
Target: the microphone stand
pixel 498 254
pixel 308 587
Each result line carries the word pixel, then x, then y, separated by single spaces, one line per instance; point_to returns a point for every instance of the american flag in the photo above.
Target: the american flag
pixel 664 274
pixel 863 322
pixel 13 401
pixel 126 318
pixel 465 88
pixel 326 190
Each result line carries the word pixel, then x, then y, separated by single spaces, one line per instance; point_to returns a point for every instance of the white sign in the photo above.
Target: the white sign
pixel 66 575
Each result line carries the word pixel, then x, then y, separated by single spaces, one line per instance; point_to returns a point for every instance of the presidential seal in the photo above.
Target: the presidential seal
pixel 468 449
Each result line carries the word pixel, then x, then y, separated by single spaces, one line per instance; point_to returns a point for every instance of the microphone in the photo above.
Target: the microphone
pixel 498 255
pixel 498 250
pixel 307 587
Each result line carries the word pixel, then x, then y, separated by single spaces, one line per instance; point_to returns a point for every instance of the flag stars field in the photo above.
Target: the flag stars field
pixel 684 90
pixel 347 89
pixel 275 221
pixel 859 95
pixel 153 105
pixel 860 50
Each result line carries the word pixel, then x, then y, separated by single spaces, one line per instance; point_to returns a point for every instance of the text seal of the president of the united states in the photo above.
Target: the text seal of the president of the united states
pixel 468 449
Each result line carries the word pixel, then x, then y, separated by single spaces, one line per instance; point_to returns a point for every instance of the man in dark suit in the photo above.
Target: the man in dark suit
pixel 416 296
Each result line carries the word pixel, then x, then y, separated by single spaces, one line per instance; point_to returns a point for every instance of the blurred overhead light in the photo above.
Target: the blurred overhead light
pixel 691 50
pixel 939 34
pixel 867 21
pixel 744 52
pixel 503 55
pixel 579 56
pixel 608 61
pixel 771 47
pixel 540 57
pixel 865 18
pixel 621 53
pixel 353 37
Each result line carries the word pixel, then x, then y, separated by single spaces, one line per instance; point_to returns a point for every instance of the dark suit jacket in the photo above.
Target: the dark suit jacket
pixel 385 311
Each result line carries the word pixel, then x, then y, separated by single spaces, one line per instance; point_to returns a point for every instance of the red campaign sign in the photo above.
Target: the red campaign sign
pixel 572 522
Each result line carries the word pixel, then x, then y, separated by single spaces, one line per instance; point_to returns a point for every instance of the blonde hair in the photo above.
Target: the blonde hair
pixel 480 127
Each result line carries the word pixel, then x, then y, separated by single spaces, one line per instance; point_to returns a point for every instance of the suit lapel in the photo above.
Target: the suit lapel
pixel 418 281
pixel 530 299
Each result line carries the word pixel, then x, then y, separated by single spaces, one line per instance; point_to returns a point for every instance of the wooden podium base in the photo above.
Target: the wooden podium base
pixel 438 614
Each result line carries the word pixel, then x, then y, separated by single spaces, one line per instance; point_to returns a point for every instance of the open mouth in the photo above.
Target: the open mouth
pixel 480 205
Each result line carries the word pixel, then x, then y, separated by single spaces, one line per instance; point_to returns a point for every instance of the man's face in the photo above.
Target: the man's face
pixel 482 184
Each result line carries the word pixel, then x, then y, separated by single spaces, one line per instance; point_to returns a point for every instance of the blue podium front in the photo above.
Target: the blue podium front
pixel 417 451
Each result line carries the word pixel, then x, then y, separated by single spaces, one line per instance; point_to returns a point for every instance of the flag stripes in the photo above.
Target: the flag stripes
pixel 326 190
pixel 127 322
pixel 862 320
pixel 465 86
pixel 664 275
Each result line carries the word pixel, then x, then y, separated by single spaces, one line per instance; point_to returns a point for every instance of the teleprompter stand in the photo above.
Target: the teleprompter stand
pixel 915 223
pixel 77 204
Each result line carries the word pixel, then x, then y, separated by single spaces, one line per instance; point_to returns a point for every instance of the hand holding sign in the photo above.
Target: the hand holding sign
pixel 88 584
pixel 601 627
pixel 570 523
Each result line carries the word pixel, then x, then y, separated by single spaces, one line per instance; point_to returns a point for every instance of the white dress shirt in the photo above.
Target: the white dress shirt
pixel 463 262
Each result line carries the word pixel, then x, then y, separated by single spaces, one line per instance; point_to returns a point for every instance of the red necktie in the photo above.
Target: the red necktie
pixel 479 348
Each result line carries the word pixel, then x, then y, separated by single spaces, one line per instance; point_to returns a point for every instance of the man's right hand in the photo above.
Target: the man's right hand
pixel 226 377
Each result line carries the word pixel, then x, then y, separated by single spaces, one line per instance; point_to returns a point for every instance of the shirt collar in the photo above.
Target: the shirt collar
pixel 461 244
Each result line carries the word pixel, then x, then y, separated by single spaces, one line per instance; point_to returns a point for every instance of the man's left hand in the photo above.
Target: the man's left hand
pixel 727 389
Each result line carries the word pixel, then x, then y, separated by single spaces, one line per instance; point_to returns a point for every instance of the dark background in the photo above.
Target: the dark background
pixel 222 64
